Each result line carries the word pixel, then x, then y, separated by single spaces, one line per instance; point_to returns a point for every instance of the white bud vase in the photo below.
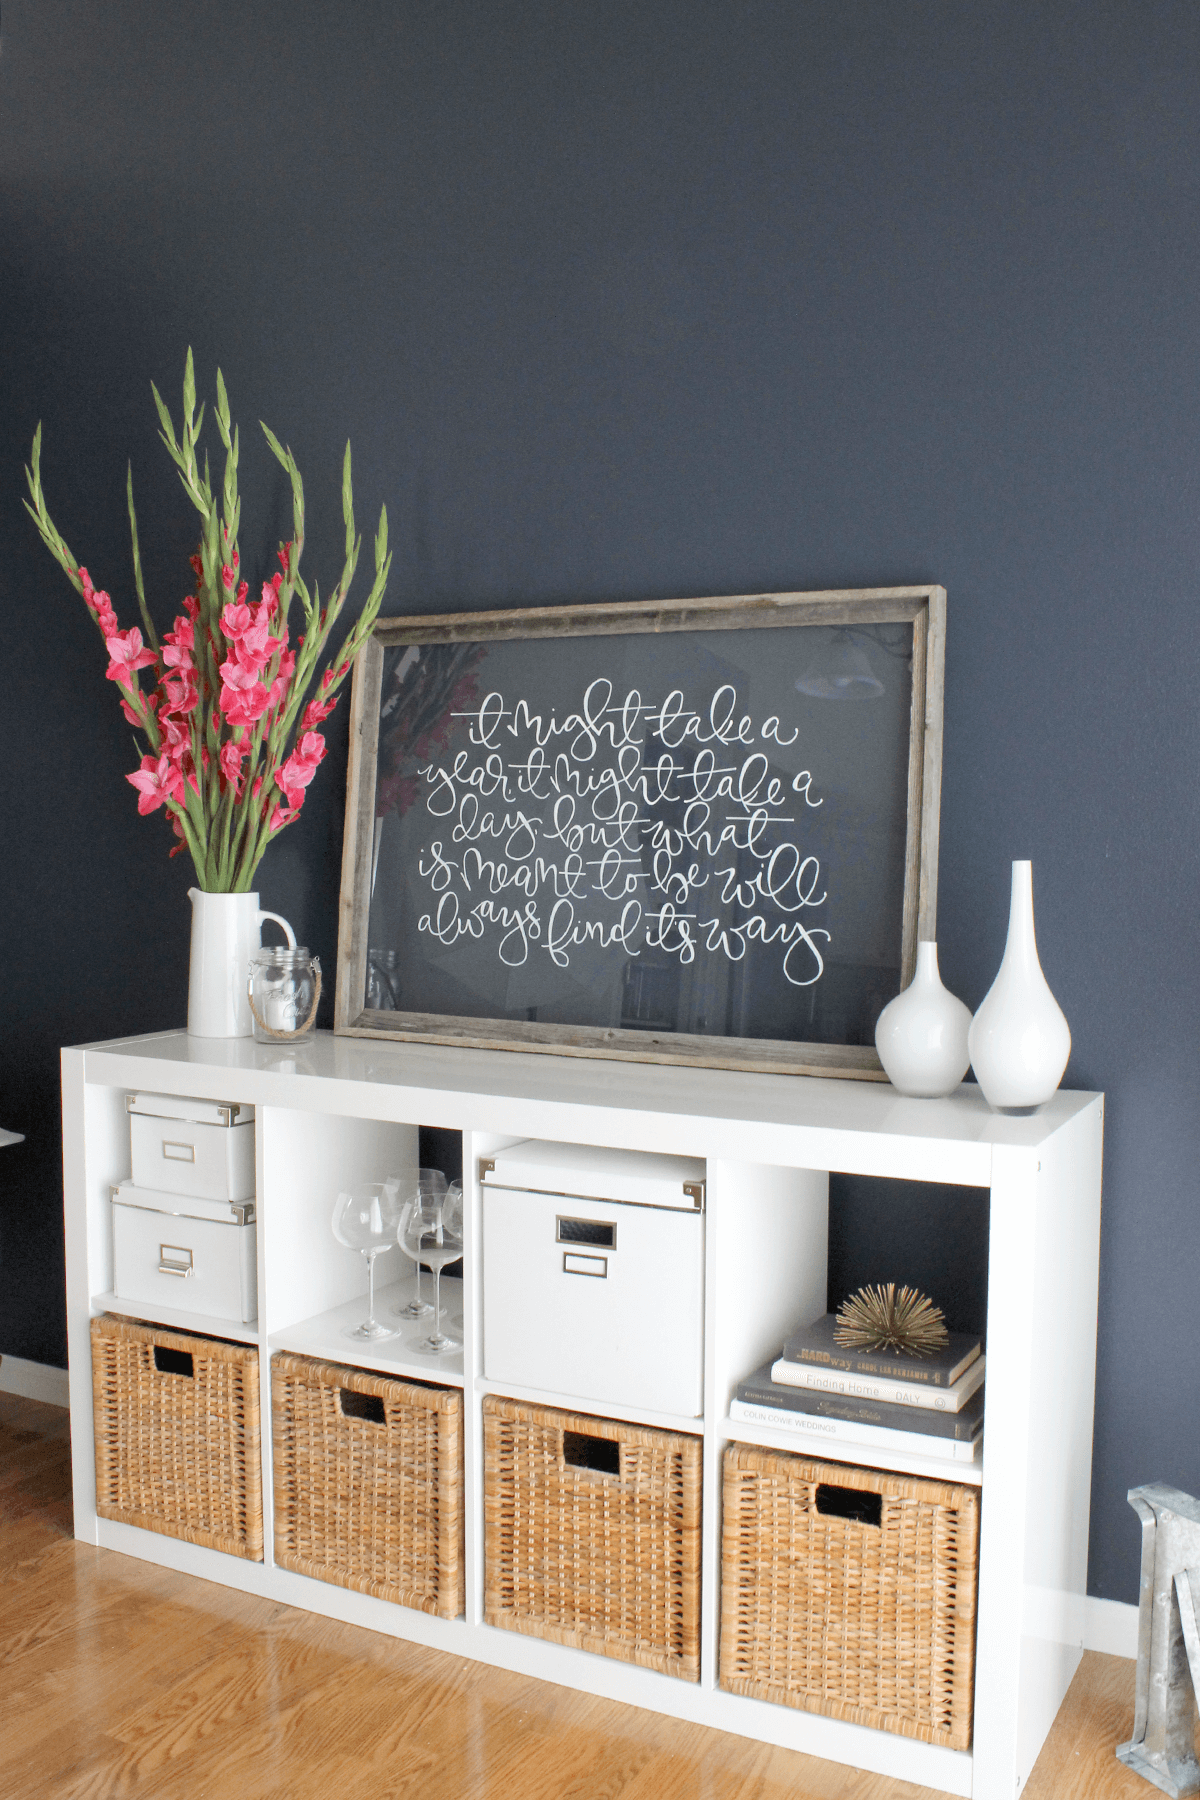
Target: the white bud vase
pixel 226 930
pixel 921 1036
pixel 1019 1039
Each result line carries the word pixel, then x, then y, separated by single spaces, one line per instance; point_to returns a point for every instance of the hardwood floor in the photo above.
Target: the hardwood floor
pixel 126 1680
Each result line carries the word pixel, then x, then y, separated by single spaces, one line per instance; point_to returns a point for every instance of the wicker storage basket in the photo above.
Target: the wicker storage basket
pixel 368 1482
pixel 862 1620
pixel 592 1534
pixel 177 1435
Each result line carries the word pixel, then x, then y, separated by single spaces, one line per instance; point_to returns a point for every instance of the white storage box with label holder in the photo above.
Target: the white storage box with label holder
pixel 198 1255
pixel 193 1147
pixel 593 1274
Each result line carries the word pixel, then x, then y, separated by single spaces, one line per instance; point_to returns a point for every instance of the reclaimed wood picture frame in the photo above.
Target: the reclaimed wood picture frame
pixel 687 831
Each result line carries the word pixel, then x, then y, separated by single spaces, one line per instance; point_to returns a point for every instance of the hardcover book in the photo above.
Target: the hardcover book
pixel 810 1432
pixel 878 1387
pixel 964 1425
pixel 815 1343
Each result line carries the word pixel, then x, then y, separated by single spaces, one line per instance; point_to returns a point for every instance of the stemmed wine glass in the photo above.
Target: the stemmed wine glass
pixel 431 1231
pixel 430 1182
pixel 367 1220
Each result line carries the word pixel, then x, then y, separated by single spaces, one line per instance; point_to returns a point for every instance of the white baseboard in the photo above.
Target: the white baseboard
pixel 34 1381
pixel 1110 1626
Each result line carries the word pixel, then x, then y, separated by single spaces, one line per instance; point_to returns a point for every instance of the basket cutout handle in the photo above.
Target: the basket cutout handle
pixel 581 1451
pixel 362 1406
pixel 849 1503
pixel 173 1362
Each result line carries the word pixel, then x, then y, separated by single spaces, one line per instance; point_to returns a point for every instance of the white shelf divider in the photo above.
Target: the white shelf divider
pixel 593 1409
pixel 860 1456
pixel 175 1318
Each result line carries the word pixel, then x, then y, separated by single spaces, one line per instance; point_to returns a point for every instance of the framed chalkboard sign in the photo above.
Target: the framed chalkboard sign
pixel 689 831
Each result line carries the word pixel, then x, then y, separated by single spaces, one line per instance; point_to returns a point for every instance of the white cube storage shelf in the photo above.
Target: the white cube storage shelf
pixel 341 1110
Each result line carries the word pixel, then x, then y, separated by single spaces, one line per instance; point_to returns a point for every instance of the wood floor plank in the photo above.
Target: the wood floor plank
pixel 128 1681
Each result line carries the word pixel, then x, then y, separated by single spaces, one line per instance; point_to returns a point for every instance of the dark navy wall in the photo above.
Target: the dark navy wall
pixel 627 301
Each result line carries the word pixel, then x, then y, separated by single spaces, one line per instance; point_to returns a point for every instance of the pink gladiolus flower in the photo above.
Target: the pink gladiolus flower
pixel 315 713
pixel 176 737
pixel 248 630
pixel 99 603
pixel 244 706
pixel 127 654
pixel 256 646
pixel 231 765
pixel 243 590
pixel 157 780
pixel 287 666
pixel 300 768
pixel 228 577
pixel 235 619
pixel 180 695
pixel 311 748
pixel 235 675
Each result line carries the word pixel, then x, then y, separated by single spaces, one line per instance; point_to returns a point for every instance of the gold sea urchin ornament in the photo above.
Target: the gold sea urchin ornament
pixel 879 1318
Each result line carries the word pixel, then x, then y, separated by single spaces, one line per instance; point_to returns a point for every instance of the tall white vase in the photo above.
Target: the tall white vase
pixel 921 1036
pixel 226 930
pixel 1019 1040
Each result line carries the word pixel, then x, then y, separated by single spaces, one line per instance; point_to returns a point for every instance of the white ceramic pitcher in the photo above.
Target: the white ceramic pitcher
pixel 226 931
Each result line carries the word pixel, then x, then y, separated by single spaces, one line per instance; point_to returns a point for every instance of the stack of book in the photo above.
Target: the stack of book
pixel 921 1406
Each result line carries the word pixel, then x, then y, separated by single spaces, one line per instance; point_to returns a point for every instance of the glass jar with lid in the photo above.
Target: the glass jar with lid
pixel 285 988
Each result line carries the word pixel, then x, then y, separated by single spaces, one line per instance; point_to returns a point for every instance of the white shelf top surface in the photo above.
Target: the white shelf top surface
pixel 650 1105
pixel 324 1336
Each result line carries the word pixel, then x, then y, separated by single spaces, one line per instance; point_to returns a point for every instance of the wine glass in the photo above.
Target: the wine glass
pixel 366 1219
pixel 430 1182
pixel 428 1234
pixel 454 1216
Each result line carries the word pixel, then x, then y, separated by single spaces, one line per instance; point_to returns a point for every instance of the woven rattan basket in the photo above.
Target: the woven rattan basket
pixel 368 1482
pixel 837 1614
pixel 592 1534
pixel 177 1435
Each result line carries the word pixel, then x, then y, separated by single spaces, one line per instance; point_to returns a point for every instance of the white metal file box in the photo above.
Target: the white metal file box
pixel 195 1254
pixel 194 1147
pixel 593 1274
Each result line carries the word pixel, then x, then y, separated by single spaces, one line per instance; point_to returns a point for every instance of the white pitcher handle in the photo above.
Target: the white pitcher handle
pixel 290 934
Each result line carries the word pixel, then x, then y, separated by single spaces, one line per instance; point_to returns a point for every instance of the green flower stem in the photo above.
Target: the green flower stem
pixel 147 621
